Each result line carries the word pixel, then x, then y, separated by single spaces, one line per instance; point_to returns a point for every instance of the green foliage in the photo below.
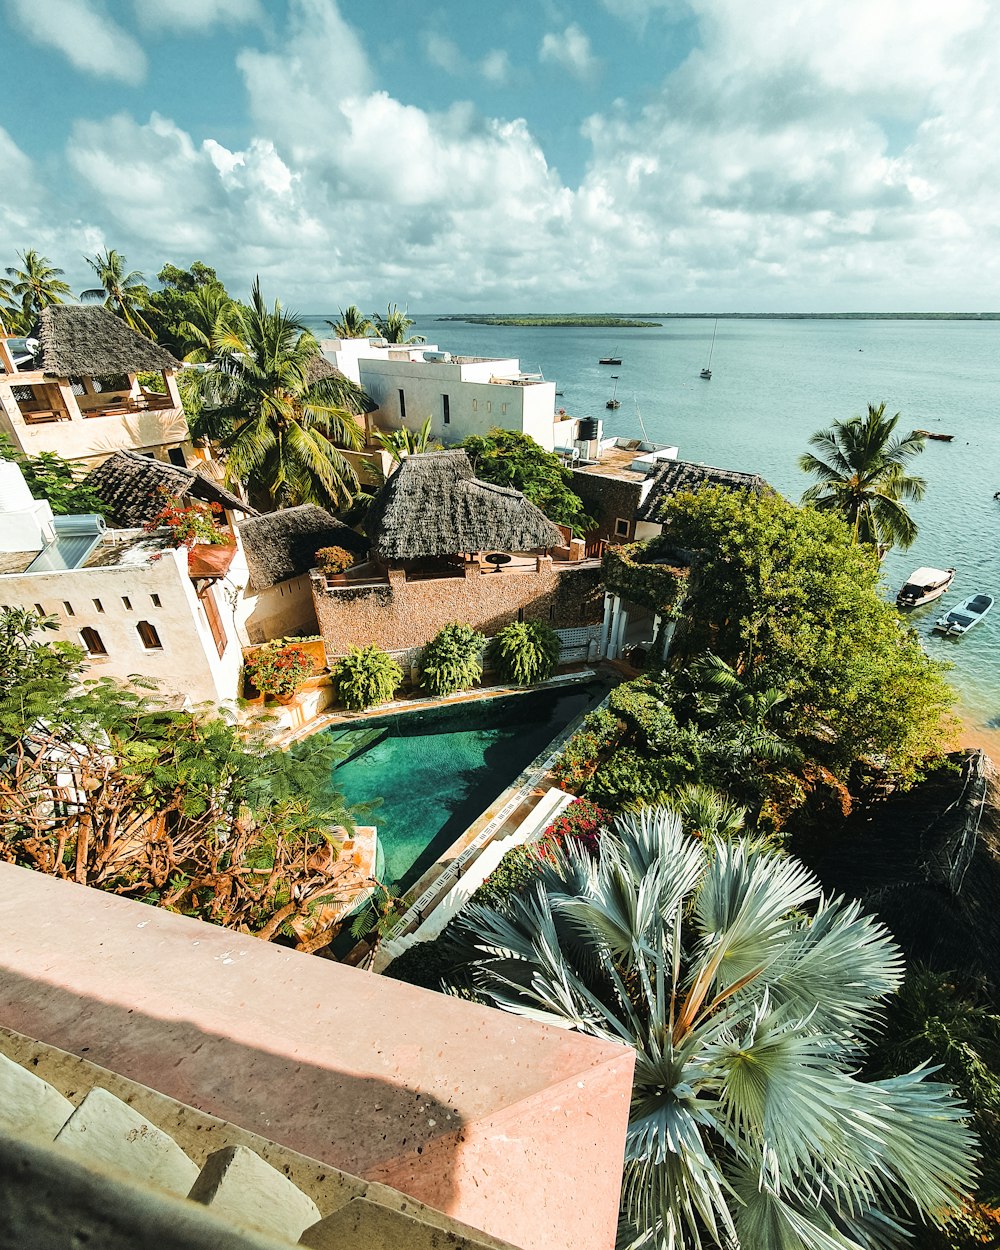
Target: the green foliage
pixel 366 676
pixel 393 325
pixel 428 964
pixel 586 749
pixel 279 667
pixel 183 298
pixel 451 660
pixel 353 324
pixel 121 291
pixel 510 458
pixel 29 289
pixel 525 652
pixel 51 477
pixel 749 1000
pixel 790 603
pixel 29 667
pixel 334 559
pixel 635 572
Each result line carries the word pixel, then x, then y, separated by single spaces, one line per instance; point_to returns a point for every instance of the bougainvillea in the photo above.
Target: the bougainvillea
pixel 189 523
pixel 582 821
pixel 280 668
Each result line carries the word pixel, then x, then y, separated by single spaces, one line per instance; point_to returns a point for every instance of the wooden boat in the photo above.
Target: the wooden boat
pixel 940 438
pixel 610 360
pixel 924 585
pixel 968 613
pixel 614 401
pixel 706 373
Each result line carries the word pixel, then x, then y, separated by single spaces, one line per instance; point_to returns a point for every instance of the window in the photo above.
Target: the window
pixel 176 455
pixel 150 638
pixel 489 405
pixel 156 600
pixel 126 603
pixel 520 614
pixel 92 643
pixel 39 609
pixel 77 386
pixel 68 608
pixel 111 382
pixel 446 407
pixel 214 618
pixel 475 405
pixel 503 407
pixel 98 605
pixel 622 527
pixel 402 404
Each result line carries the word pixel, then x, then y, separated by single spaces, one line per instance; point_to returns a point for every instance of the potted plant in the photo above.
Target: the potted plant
pixel 279 669
pixel 334 560
pixel 190 524
pixel 366 676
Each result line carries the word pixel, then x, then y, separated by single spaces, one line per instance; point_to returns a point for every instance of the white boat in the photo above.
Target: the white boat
pixel 924 586
pixel 706 373
pixel 961 619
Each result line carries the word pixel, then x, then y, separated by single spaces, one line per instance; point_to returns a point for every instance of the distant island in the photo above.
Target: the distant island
pixel 646 320
pixel 555 319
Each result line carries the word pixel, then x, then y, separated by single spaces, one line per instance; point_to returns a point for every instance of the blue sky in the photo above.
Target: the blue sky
pixel 536 155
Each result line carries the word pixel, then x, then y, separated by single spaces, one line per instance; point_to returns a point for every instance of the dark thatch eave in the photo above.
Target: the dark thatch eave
pixel 280 545
pixel 130 484
pixel 76 340
pixel 682 475
pixel 434 506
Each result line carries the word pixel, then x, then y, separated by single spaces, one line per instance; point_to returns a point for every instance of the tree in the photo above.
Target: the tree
pixel 862 472
pixel 281 428
pixel 525 652
pixel 353 324
pixel 33 287
pixel 452 660
pixel 749 1125
pixel 208 310
pixel 510 458
pixel 790 602
pixel 393 326
pixel 50 477
pixel 122 291
pixel 171 310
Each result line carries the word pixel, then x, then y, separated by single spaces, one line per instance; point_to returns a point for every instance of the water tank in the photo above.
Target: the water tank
pixel 589 429
pixel 15 494
pixel 438 358
pixel 81 525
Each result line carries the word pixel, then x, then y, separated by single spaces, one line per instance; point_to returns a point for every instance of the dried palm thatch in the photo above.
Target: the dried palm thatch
pixel 681 475
pixel 434 506
pixel 132 486
pixel 74 340
pixel 280 545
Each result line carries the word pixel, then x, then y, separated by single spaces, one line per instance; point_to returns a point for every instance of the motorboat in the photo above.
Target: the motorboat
pixel 610 360
pixel 924 586
pixel 961 619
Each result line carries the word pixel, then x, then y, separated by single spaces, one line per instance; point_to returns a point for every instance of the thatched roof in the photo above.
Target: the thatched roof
pixel 130 484
pixel 681 475
pixel 319 368
pixel 79 340
pixel 280 545
pixel 434 506
pixel 927 862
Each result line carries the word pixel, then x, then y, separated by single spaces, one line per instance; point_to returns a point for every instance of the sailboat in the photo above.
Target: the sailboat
pixel 613 359
pixel 614 401
pixel 706 373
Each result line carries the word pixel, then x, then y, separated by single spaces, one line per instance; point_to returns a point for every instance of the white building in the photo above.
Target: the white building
pixel 462 395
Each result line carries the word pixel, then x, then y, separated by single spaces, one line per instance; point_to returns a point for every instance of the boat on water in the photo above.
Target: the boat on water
pixel 940 438
pixel 614 401
pixel 706 373
pixel 924 585
pixel 962 618
pixel 610 360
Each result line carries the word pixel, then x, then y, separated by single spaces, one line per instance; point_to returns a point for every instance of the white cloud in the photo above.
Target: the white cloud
pixel 571 50
pixel 443 53
pixel 495 67
pixel 198 14
pixel 84 33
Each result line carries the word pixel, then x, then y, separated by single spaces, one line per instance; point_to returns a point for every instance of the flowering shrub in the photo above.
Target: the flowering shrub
pixel 189 523
pixel 581 821
pixel 587 749
pixel 334 559
pixel 279 668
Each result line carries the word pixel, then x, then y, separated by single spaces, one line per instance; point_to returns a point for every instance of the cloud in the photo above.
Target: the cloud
pixel 495 67
pixel 85 34
pixel 571 50
pixel 443 53
pixel 199 14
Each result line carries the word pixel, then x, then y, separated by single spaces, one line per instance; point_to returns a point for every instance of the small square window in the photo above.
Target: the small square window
pixel 156 601
pixel 68 608
pixel 622 527
pixel 39 609
pixel 127 603
pixel 98 605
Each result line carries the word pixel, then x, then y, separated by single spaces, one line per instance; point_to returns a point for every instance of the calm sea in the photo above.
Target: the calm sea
pixel 773 383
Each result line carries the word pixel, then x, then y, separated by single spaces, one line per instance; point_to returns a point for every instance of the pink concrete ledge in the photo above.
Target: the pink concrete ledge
pixel 514 1127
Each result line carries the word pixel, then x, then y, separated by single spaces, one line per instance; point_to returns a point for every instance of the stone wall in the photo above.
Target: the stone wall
pixel 403 614
pixel 607 499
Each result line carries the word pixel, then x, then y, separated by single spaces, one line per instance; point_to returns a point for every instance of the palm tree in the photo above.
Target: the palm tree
pixel 122 291
pixel 393 326
pixel 749 1125
pixel 862 472
pixel 36 285
pixel 406 442
pixel 207 307
pixel 353 324
pixel 283 419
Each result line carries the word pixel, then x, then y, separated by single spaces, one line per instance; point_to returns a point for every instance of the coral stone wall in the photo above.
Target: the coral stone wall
pixel 408 614
pixel 606 499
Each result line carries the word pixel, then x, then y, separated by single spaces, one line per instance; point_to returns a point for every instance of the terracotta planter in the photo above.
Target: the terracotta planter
pixel 285 699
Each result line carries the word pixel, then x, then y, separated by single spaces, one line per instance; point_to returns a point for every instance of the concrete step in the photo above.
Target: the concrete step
pixel 29 1107
pixel 237 1184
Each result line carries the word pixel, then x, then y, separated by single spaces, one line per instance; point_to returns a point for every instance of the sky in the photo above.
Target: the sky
pixel 525 156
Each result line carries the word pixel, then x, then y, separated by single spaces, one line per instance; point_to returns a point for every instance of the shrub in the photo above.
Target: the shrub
pixel 189 523
pixel 334 559
pixel 582 821
pixel 366 676
pixel 427 964
pixel 279 667
pixel 514 874
pixel 451 660
pixel 526 652
pixel 592 743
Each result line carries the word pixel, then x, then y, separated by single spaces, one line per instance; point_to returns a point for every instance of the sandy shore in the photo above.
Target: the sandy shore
pixel 973 735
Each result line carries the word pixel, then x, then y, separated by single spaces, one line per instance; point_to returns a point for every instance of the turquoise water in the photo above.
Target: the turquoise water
pixel 773 384
pixel 436 771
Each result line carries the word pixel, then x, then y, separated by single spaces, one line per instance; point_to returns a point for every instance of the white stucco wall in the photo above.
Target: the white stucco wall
pixel 281 610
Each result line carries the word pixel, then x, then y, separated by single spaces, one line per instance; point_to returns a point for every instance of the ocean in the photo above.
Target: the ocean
pixel 774 382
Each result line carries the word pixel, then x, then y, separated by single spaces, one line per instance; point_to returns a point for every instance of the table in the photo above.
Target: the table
pixel 496 558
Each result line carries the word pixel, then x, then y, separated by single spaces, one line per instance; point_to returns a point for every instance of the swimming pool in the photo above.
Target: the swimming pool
pixel 436 770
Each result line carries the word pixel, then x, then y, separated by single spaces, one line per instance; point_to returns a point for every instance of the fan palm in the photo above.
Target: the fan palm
pixel 393 326
pixel 749 1126
pixel 862 472
pixel 123 291
pixel 34 286
pixel 283 421
pixel 353 324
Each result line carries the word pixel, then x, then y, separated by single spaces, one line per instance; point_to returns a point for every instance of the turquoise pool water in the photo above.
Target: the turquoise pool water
pixel 429 774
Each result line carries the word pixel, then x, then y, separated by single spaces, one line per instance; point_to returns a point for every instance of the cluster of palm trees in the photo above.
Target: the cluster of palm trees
pixel 391 326
pixel 31 285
